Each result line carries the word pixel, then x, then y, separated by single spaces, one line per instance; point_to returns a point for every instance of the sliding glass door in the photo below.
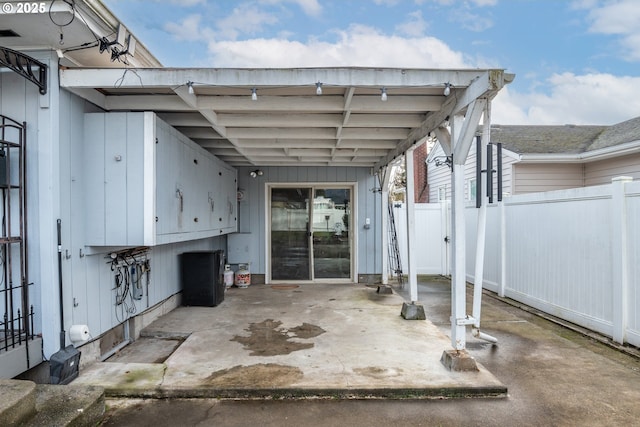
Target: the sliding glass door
pixel 311 233
pixel 290 242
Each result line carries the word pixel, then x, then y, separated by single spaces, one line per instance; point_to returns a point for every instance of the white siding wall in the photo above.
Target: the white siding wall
pixel 21 101
pixel 536 177
pixel 252 209
pixel 440 176
pixel 88 280
pixel 601 172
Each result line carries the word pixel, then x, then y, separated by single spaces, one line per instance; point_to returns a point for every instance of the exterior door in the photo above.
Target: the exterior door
pixel 311 233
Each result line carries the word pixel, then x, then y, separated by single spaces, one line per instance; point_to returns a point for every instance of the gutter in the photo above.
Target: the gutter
pixel 589 156
pixel 99 11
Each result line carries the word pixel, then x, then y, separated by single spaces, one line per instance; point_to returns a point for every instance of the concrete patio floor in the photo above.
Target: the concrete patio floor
pixel 556 377
pixel 289 341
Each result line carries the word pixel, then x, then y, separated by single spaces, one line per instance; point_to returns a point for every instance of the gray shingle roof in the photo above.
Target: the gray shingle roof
pixel 618 134
pixel 567 139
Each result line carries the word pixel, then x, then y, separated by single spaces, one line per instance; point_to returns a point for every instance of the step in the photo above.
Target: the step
pixel 18 401
pixel 68 405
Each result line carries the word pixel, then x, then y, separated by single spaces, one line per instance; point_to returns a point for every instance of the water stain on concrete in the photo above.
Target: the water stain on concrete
pixel 378 372
pixel 307 330
pixel 268 339
pixel 255 376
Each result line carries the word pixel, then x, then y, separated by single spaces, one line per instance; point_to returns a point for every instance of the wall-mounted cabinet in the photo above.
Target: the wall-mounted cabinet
pixel 147 184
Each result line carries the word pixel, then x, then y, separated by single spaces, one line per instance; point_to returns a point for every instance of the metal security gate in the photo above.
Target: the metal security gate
pixel 16 325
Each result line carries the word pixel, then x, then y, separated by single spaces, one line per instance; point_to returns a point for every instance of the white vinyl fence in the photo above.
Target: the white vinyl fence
pixel 574 254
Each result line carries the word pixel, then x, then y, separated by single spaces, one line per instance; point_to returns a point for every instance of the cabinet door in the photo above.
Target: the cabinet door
pixel 229 188
pixel 169 186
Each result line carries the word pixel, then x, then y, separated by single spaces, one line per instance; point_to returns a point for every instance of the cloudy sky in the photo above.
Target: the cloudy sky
pixel 575 61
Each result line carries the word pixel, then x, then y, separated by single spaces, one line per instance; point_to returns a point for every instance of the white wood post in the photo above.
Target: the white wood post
pixel 458 275
pixel 384 192
pixel 411 225
pixel 482 220
pixel 458 231
pixel 620 258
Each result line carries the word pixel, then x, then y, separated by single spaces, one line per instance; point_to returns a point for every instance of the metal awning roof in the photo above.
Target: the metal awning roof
pixel 289 123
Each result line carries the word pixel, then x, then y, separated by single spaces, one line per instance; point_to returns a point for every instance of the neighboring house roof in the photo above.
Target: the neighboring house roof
pixel 567 139
pixel 620 133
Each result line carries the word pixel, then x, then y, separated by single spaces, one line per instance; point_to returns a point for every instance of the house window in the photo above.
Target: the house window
pixel 471 189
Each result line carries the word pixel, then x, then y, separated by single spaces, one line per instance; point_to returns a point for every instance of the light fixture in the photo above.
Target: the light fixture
pixel 254 94
pixel 256 173
pixel 447 89
pixel 318 88
pixel 190 87
pixel 383 97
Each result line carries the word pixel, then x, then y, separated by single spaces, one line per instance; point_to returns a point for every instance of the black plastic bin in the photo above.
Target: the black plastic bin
pixel 201 277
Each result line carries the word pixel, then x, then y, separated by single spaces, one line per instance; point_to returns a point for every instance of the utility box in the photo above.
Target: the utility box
pixel 64 365
pixel 201 274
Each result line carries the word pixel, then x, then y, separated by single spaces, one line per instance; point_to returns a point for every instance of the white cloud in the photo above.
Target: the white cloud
pixel 188 29
pixel 357 46
pixel 594 99
pixel 244 19
pixel 618 18
pixel 472 21
pixel 309 7
pixel 187 3
pixel 483 3
pixel 414 26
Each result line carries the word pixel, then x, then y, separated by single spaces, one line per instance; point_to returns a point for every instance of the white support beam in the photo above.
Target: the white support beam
pixel 375 133
pixel 485 85
pixel 269 103
pixel 265 78
pixel 399 103
pixel 468 131
pixel 482 220
pixel 192 100
pixel 411 225
pixel 384 177
pixel 458 272
pixel 184 119
pixel 147 103
pixel 444 138
pixel 281 133
pixel 261 120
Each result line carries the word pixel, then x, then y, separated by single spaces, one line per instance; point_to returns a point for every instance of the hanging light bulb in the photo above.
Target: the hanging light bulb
pixel 383 97
pixel 190 87
pixel 447 89
pixel 254 94
pixel 318 88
